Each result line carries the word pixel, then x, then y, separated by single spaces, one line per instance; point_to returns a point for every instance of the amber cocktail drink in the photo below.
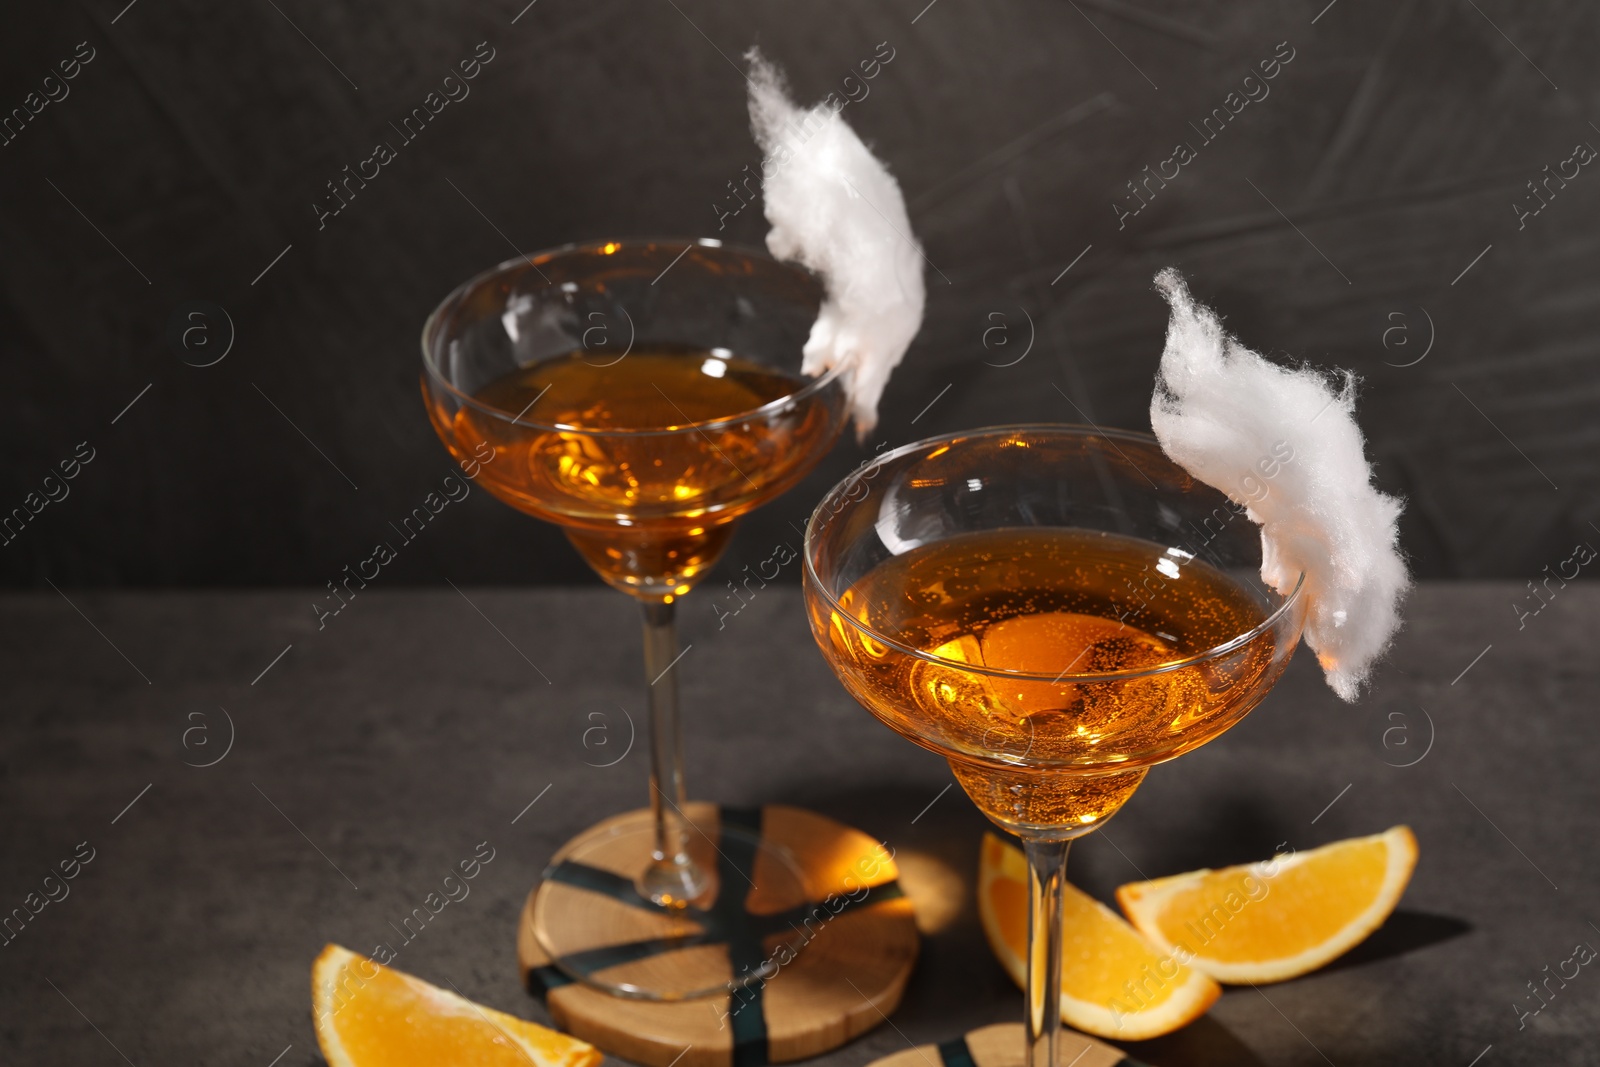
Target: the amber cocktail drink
pixel 655 456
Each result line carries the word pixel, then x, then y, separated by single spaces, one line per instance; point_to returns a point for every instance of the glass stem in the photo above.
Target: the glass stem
pixel 1047 876
pixel 672 878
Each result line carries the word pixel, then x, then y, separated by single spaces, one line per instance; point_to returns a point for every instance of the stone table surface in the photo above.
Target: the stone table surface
pixel 352 766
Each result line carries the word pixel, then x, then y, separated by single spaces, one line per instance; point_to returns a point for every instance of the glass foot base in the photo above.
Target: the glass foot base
pixel 595 926
pixel 673 885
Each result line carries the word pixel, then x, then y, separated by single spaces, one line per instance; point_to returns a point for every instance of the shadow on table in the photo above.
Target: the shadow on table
pixel 1403 932
pixel 1216 826
pixel 930 819
pixel 1204 1041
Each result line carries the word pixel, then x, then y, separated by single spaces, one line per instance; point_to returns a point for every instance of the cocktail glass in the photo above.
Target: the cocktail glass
pixel 1054 609
pixel 642 395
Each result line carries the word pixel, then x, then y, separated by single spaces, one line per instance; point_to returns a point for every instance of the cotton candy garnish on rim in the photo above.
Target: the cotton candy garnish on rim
pixel 1228 417
pixel 836 209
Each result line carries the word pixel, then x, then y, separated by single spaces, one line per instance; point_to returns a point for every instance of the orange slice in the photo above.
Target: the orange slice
pixel 1114 983
pixel 367 1015
pixel 1265 922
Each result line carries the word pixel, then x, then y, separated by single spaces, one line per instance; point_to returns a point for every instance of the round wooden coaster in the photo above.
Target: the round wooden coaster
pixel 1000 1045
pixel 836 960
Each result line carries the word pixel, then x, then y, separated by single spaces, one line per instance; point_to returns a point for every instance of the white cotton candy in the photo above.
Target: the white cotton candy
pixel 837 210
pixel 1226 415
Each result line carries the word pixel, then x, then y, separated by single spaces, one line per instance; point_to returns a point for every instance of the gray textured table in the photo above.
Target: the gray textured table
pixel 379 751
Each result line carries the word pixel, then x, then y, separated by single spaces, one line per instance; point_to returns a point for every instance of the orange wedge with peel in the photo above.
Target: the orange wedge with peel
pixel 368 1015
pixel 1265 922
pixel 1114 982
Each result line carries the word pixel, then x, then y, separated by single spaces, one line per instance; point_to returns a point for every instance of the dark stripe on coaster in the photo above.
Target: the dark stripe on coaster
pixel 750 1028
pixel 595 880
pixel 542 981
pixel 889 890
pixel 736 855
pixel 955 1053
pixel 736 861
pixel 833 907
pixel 591 960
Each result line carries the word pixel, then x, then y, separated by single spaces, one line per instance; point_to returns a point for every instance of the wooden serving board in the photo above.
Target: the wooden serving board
pixel 1001 1045
pixel 837 958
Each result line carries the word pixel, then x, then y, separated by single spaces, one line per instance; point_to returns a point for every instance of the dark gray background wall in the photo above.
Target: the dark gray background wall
pixel 1360 215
